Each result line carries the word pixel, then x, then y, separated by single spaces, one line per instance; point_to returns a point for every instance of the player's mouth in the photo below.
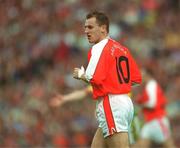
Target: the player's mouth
pixel 89 37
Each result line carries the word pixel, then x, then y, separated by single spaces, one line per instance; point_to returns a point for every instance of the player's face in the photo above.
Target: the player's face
pixel 94 32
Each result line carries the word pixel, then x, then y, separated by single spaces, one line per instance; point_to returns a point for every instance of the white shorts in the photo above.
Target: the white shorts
pixel 114 113
pixel 157 130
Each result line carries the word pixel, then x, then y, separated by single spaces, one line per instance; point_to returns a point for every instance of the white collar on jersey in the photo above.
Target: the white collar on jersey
pixel 103 40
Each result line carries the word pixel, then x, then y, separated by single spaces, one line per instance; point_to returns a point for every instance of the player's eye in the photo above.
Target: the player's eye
pixel 90 27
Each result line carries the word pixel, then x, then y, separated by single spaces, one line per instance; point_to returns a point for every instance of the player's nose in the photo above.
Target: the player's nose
pixel 86 31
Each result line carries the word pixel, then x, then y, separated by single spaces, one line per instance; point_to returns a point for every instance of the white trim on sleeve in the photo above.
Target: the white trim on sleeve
pixel 151 89
pixel 95 56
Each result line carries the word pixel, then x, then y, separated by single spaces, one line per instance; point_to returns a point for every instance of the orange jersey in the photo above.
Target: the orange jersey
pixel 111 69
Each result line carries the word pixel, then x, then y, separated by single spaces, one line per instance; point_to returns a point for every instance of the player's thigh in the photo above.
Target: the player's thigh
pixel 117 140
pixel 98 140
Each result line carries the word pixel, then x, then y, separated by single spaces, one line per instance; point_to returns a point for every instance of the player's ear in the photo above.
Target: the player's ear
pixel 103 28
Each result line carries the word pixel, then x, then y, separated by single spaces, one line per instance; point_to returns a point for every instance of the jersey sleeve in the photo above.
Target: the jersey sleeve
pixel 95 60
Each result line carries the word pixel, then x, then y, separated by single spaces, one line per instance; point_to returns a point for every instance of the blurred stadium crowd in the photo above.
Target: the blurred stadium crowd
pixel 41 41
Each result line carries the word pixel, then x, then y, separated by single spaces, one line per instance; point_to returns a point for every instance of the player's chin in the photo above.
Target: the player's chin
pixel 91 41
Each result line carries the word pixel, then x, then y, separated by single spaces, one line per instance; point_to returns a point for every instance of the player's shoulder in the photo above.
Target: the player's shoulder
pixel 119 47
pixel 118 44
pixel 151 84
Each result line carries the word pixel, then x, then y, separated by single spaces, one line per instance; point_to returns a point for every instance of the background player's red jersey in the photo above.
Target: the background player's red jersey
pixel 111 69
pixel 153 101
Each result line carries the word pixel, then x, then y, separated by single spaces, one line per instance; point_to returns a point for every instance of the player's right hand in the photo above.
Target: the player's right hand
pixel 56 101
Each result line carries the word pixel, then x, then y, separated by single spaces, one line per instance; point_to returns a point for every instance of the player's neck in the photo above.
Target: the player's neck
pixel 103 38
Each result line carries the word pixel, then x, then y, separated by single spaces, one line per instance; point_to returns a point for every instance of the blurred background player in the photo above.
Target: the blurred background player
pixel 156 128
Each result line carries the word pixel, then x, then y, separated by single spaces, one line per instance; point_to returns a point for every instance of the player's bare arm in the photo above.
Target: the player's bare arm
pixel 76 95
